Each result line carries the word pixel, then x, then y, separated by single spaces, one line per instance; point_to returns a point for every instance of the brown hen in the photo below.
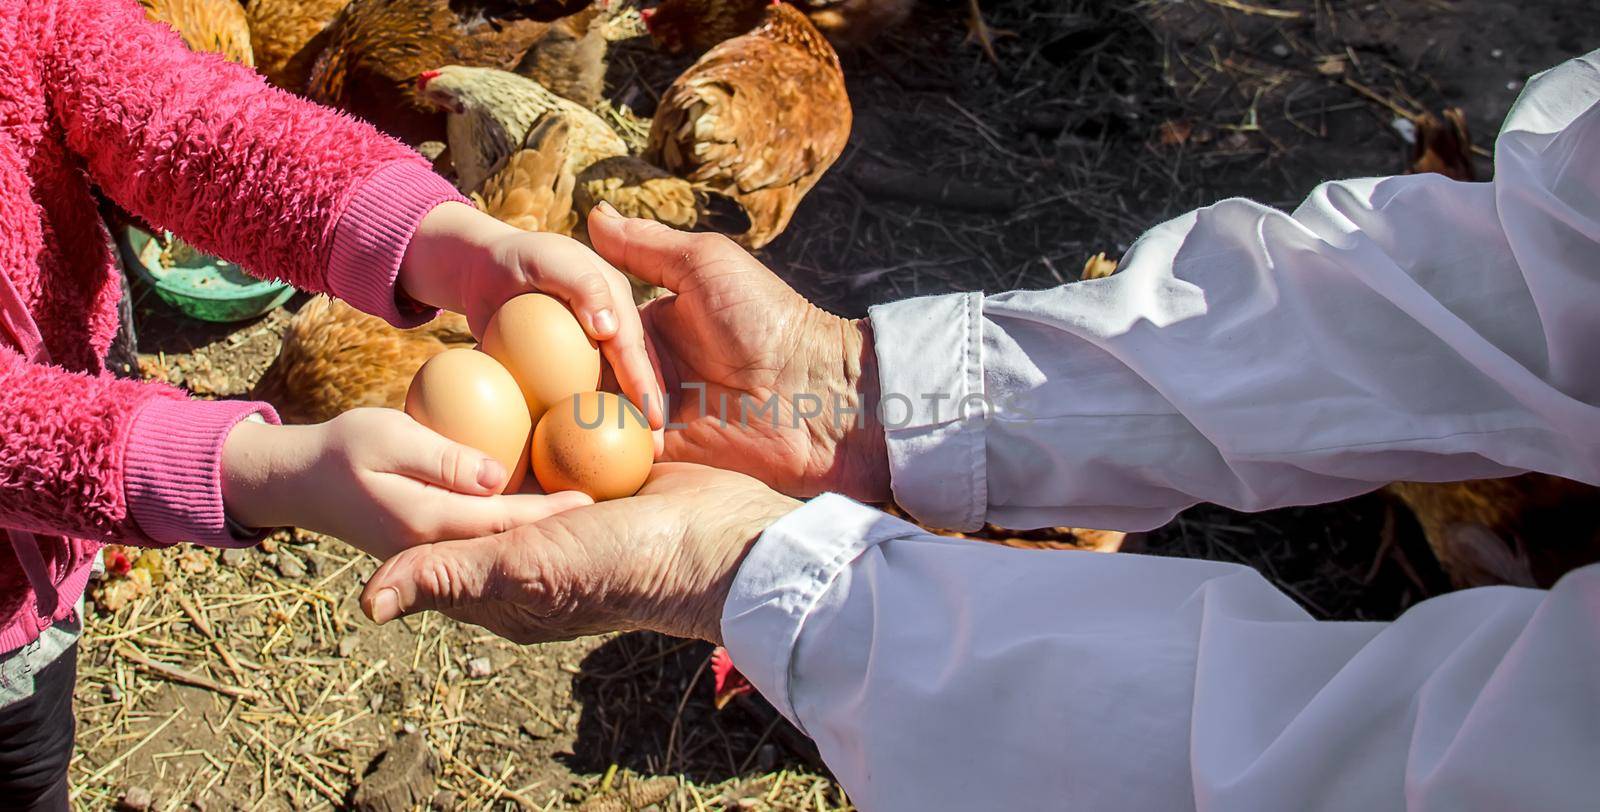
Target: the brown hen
pixel 1526 530
pixel 218 26
pixel 1443 147
pixel 855 23
pixel 758 119
pixel 695 26
pixel 376 49
pixel 335 358
pixel 286 36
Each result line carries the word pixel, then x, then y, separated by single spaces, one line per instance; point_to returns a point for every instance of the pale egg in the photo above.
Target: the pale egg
pixel 539 340
pixel 470 398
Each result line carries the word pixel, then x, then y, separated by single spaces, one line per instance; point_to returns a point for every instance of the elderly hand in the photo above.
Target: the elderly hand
pixel 375 478
pixel 779 374
pixel 463 260
pixel 663 560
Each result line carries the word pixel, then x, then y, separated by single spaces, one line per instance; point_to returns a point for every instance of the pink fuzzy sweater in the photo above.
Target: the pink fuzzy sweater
pixel 91 93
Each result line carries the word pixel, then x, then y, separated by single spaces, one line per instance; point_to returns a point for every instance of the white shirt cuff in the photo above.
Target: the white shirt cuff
pixel 784 577
pixel 933 408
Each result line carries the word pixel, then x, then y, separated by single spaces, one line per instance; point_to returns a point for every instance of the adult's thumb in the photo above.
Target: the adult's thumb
pixel 655 253
pixel 443 575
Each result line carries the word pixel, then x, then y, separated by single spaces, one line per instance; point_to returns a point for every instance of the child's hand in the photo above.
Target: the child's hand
pixel 464 260
pixel 375 478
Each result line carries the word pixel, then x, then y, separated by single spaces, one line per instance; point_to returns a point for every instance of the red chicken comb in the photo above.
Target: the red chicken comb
pixel 425 77
pixel 645 14
pixel 729 683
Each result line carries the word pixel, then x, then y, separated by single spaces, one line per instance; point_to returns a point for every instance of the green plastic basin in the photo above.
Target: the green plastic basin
pixel 201 286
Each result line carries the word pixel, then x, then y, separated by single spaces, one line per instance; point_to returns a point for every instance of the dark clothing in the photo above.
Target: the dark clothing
pixel 36 740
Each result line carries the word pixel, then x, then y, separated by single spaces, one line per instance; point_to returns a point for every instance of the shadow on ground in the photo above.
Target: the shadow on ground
pixel 647 706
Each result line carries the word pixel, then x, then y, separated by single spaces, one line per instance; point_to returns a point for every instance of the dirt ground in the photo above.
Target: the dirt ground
pixel 1102 119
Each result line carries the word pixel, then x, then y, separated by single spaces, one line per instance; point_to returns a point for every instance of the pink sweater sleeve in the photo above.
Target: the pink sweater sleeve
pixel 101 458
pixel 208 150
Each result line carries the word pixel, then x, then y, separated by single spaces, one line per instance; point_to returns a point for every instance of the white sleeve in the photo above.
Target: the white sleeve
pixel 947 674
pixel 1392 328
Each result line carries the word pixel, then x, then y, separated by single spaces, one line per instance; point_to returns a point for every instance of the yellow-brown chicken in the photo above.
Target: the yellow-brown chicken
pixel 335 358
pixel 636 188
pixel 376 49
pixel 1527 529
pixel 758 119
pixel 286 36
pixel 495 120
pixel 533 188
pixel 492 112
pixel 218 26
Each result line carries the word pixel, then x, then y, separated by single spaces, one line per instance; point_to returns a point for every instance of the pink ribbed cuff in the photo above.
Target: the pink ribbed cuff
pixel 172 472
pixel 371 238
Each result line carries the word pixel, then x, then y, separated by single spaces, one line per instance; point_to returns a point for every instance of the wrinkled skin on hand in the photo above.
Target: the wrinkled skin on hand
pixel 780 375
pixel 662 560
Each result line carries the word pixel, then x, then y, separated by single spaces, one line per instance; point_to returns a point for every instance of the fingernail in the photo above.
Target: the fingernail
pixel 386 606
pixel 606 209
pixel 491 474
pixel 605 321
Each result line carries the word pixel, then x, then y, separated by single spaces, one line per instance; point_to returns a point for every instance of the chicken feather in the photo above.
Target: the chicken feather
pixel 491 113
pixel 533 190
pixel 376 49
pixel 217 26
pixel 335 358
pixel 759 119
pixel 286 36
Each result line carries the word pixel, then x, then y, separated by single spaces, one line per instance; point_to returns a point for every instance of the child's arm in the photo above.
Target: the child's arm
pixel 94 457
pixel 288 190
pixel 114 460
pixel 291 190
pixel 206 149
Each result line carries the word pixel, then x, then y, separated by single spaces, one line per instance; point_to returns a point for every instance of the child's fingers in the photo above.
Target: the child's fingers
pixel 602 299
pixel 581 279
pixel 427 456
pixel 630 360
pixel 463 517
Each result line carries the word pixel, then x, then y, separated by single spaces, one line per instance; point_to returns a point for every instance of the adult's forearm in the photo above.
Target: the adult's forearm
pixel 942 674
pixel 1397 328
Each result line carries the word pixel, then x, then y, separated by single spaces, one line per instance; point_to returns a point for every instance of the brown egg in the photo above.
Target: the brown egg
pixel 594 442
pixel 468 397
pixel 539 340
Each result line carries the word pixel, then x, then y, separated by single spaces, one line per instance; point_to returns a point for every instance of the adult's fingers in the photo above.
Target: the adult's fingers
pixel 461 517
pixel 434 576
